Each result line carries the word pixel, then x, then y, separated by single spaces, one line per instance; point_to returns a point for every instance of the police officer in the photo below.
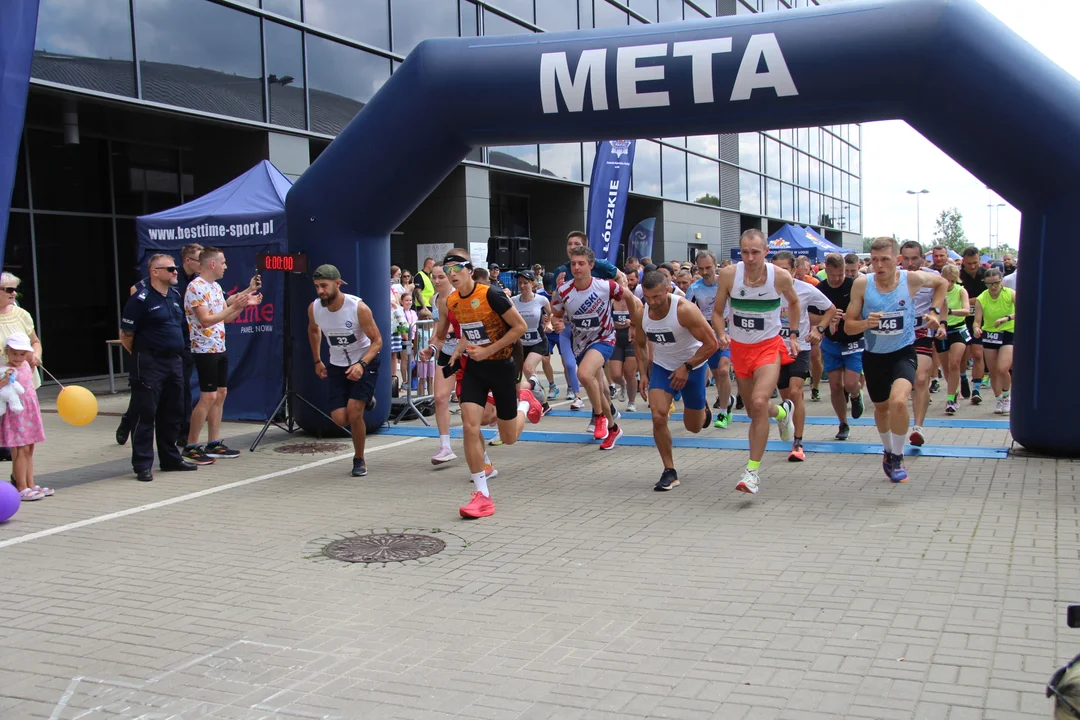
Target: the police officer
pixel 151 330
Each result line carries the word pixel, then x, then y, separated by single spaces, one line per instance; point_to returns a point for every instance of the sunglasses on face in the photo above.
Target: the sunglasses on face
pixel 456 267
pixel 993 284
pixel 10 290
pixel 167 268
pixel 1052 687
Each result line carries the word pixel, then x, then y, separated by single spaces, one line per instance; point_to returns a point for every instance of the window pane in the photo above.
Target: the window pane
pixel 826 147
pixel 646 178
pixel 802 139
pixel 363 20
pixel 815 141
pixel 20 197
pixel 804 169
pixel 787 136
pixel 19 258
pixel 288 8
pixel 515 157
pixel 749 152
pixel 787 170
pixel 815 174
pixel 815 208
pixel 856 191
pixel 200 55
pixel 522 9
pixel 749 192
pixel 704 144
pixel 855 221
pixel 85 43
pixel 644 7
pixel 804 206
pixel 608 15
pixel 342 80
pixel 853 160
pixel 416 20
pixel 285 75
pixel 498 25
pixel 469 19
pixel 588 158
pixel 703 179
pixel 68 177
pixel 826 180
pixel 674 173
pixel 146 178
pixel 787 201
pixel 670 10
pixel 563 160
pixel 772 198
pixel 556 15
pixel 772 158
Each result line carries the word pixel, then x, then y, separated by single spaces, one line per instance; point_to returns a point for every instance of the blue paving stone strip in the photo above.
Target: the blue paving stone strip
pixel 819 420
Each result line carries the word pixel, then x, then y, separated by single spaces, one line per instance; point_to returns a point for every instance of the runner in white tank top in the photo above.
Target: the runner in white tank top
pixel 911 257
pixel 674 341
pixel 354 339
pixel 754 288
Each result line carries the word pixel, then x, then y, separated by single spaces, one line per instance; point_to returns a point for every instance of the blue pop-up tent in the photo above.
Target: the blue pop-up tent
pixel 798 240
pixel 244 218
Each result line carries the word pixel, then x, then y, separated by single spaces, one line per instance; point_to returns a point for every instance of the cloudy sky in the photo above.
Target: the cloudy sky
pixel 895 158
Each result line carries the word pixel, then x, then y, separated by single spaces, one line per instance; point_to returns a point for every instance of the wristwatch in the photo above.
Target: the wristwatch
pixel 935 311
pixel 821 329
pixel 793 331
pixel 362 364
pixel 688 366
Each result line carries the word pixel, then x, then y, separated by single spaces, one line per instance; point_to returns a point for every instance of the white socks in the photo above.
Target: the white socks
pixel 523 407
pixel 892 442
pixel 444 442
pixel 886 441
pixel 480 480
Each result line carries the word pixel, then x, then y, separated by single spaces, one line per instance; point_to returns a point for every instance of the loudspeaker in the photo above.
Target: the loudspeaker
pixel 500 251
pixel 522 256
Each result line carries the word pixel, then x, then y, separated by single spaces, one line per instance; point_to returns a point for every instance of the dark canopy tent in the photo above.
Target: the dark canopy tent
pixel 243 217
pixel 798 240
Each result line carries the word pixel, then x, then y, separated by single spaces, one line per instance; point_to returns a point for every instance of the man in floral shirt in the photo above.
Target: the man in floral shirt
pixel 207 311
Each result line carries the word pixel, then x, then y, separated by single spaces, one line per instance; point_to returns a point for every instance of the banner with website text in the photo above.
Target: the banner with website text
pixel 608 192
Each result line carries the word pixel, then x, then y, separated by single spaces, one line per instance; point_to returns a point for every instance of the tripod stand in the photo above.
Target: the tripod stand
pixel 290 395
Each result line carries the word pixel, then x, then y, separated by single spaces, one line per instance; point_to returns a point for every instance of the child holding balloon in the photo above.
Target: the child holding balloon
pixel 21 431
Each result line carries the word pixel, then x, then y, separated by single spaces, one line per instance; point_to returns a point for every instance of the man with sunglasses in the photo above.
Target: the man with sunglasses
pixel 189 269
pixel 151 330
pixel 491 328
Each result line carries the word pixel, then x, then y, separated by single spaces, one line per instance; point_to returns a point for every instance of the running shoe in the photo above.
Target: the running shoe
pixel 997 407
pixel 536 411
pixel 621 395
pixel 965 388
pixel 749 482
pixel 612 437
pixel 986 381
pixel 444 455
pixel 796 454
pixel 730 405
pixel 218 450
pixel 951 407
pixel 976 397
pixel 495 441
pixel 722 420
pixel 577 404
pixel 196 455
pixel 844 432
pixel 917 438
pixel 359 467
pixel 1006 405
pixel 490 472
pixel 479 506
pixel 887 463
pixel 612 389
pixel 857 405
pixel 631 407
pixel 708 419
pixel 899 472
pixel 546 407
pixel 553 391
pixel 786 425
pixel 600 430
pixel 615 413
pixel 719 404
pixel 538 391
pixel 669 480
pixel 935 385
pixel 815 395
pixel 738 402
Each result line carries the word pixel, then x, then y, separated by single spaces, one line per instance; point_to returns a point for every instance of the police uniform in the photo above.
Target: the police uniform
pixel 156 321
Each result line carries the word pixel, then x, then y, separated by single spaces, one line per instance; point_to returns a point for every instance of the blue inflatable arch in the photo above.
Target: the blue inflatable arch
pixel 949 68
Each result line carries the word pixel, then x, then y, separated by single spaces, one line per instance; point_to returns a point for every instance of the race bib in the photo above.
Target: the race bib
pixel 964 334
pixel 747 322
pixel 993 338
pixel 586 322
pixel 530 338
pixel 662 337
pixel 891 323
pixel 855 346
pixel 785 332
pixel 475 333
pixel 620 316
pixel 341 340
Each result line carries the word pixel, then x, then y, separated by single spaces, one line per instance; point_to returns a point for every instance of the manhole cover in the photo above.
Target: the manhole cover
pixel 383 548
pixel 310 448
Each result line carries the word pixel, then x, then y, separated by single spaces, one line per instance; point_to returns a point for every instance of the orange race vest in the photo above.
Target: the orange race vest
pixel 479 323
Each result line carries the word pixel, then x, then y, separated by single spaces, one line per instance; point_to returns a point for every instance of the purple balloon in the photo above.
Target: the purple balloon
pixel 10 502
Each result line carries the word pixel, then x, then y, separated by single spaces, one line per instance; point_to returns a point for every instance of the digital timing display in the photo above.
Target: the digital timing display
pixel 283 262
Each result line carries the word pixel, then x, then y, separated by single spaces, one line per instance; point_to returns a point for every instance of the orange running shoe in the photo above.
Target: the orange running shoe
pixel 490 472
pixel 601 431
pixel 480 506
pixel 797 454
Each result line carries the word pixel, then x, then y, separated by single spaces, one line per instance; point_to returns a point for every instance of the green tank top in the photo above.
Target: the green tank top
pixel 955 302
pixel 995 309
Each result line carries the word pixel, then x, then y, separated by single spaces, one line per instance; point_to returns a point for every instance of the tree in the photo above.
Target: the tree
pixel 949 230
pixel 866 243
pixel 708 199
pixel 999 251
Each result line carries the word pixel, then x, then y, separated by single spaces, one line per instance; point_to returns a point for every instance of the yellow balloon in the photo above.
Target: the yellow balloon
pixel 76 405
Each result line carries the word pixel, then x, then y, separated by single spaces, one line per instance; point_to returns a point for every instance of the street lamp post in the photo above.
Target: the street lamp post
pixel 918 219
pixel 990 209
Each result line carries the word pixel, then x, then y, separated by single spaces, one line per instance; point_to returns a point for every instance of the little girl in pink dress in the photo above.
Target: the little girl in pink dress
pixel 21 431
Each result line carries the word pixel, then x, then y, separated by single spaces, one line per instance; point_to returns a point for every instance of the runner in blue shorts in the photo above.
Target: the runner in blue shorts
pixel 703 294
pixel 841 352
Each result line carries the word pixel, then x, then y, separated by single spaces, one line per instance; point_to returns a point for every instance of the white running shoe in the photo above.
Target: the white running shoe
pixel 786 425
pixel 538 390
pixel 615 413
pixel 917 438
pixel 578 404
pixel 621 395
pixel 495 441
pixel 592 426
pixel 749 482
pixel 631 407
pixel 1006 405
pixel 444 455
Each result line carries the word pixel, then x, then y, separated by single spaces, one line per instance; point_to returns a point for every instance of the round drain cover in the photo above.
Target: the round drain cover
pixel 383 548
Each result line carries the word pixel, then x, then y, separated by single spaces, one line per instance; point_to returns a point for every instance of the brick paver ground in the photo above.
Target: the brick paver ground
pixel 833 593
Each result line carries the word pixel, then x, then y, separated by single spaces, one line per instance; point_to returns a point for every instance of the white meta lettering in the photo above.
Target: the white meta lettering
pixel 702 52
pixel 554 71
pixel 777 77
pixel 629 75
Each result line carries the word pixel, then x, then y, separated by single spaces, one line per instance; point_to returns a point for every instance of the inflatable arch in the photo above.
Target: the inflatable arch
pixel 949 68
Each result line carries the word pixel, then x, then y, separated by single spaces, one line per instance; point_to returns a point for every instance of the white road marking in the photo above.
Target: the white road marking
pixel 192 496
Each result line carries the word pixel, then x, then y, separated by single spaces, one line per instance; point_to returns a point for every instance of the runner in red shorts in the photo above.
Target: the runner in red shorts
pixel 754 289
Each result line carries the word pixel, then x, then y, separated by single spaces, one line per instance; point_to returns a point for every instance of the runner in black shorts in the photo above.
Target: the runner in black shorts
pixel 973 278
pixel 537 313
pixel 623 363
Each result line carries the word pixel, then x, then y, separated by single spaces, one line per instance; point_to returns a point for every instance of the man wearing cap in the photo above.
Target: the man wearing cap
pixel 493 278
pixel 151 329
pixel 354 342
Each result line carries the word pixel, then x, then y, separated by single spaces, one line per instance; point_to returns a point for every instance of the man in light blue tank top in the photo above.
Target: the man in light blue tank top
pixel 883 307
